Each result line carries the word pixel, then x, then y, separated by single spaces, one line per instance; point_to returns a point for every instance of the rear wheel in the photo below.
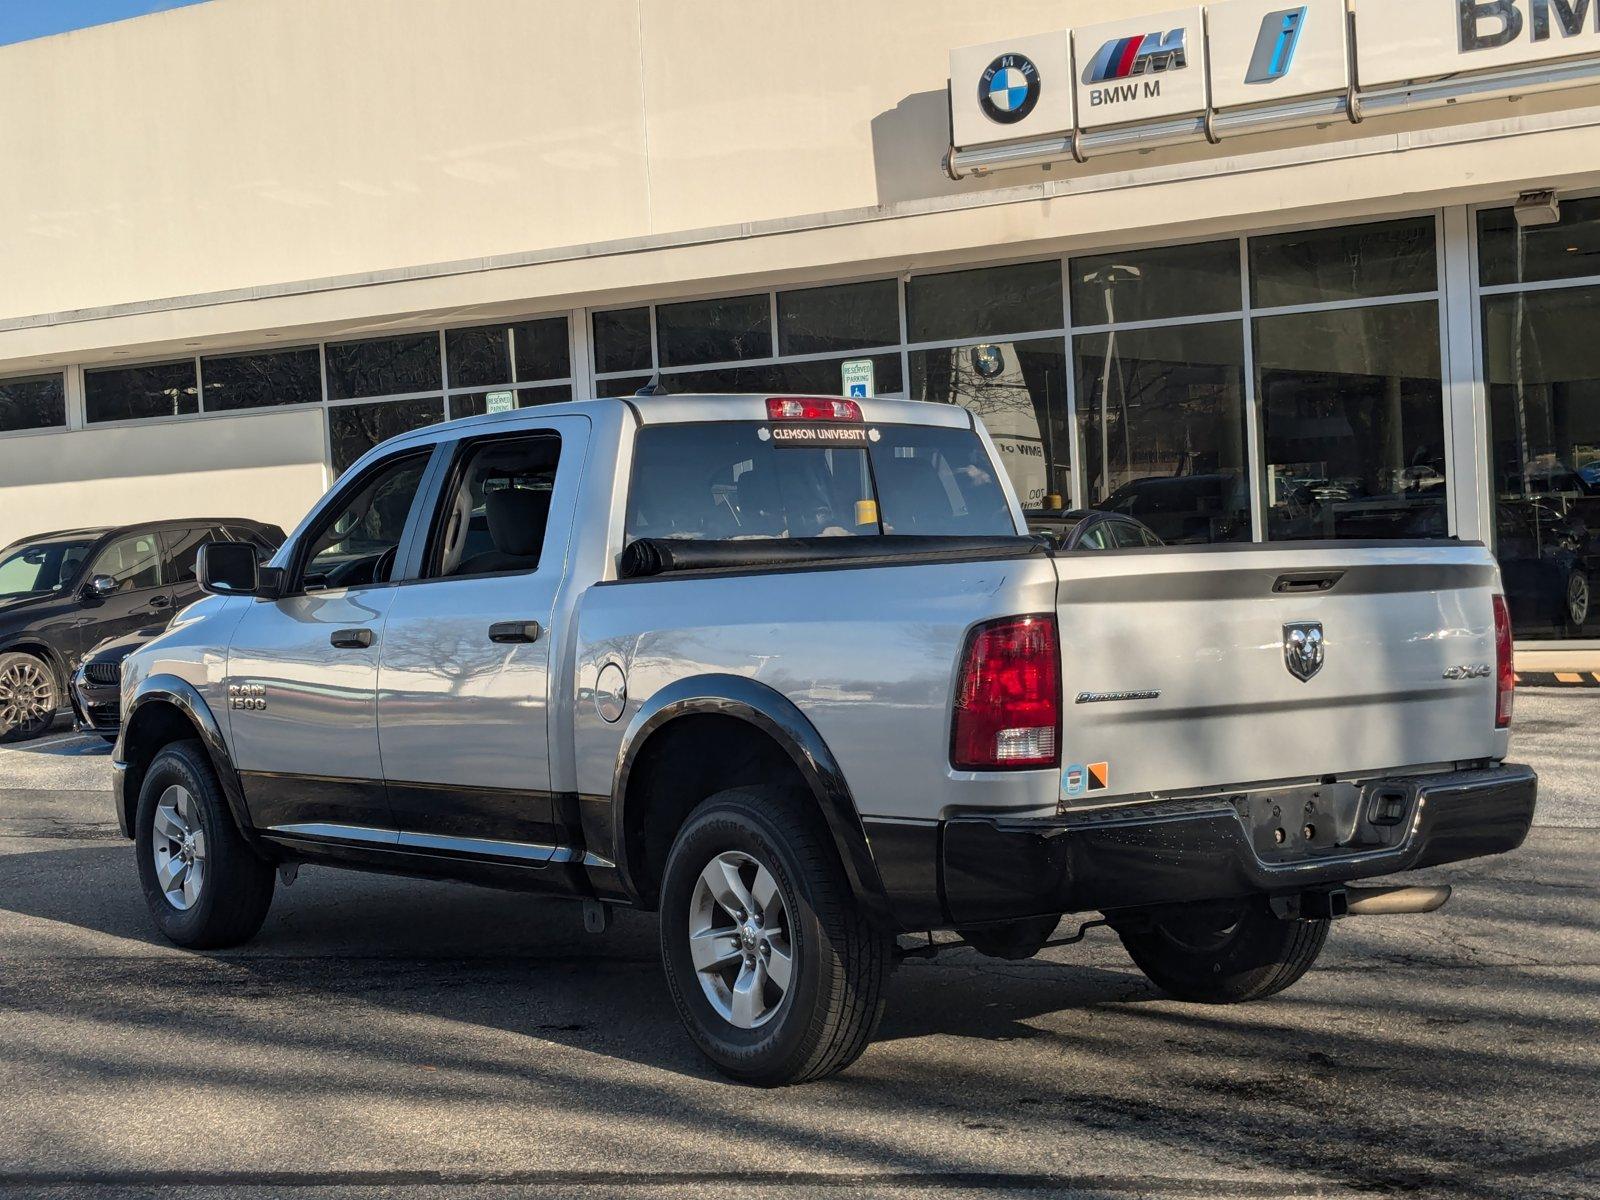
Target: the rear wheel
pixel 1222 953
pixel 204 886
pixel 777 976
pixel 29 697
pixel 1577 601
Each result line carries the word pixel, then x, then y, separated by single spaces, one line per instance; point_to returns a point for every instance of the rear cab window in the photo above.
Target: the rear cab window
pixel 729 481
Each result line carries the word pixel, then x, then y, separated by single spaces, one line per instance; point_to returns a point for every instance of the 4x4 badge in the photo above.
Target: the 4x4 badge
pixel 1302 648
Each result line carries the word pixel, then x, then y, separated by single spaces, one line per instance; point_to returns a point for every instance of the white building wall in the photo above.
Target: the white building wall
pixel 266 466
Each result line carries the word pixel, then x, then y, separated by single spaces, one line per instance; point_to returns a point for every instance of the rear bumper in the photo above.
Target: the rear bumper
pixel 993 868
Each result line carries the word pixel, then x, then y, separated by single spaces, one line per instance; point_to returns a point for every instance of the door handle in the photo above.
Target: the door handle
pixel 351 639
pixel 514 631
pixel 160 601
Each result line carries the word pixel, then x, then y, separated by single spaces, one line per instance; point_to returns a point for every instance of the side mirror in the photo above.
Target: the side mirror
pixel 228 569
pixel 102 586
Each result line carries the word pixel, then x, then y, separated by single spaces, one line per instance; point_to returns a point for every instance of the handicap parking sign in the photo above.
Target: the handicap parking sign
pixel 856 378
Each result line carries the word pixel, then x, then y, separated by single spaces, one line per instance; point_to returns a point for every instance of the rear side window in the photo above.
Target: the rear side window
pixel 725 481
pixel 494 518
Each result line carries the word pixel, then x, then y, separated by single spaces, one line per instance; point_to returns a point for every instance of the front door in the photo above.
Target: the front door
pixel 464 676
pixel 140 597
pixel 303 669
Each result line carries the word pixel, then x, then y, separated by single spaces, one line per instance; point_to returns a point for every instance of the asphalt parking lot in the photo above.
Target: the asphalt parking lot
pixel 392 1037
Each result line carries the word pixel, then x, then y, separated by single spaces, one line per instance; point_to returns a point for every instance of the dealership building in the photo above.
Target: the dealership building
pixel 1251 270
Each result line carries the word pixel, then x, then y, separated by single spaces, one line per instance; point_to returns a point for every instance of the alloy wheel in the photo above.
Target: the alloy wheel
pixel 739 939
pixel 1578 599
pixel 27 695
pixel 179 846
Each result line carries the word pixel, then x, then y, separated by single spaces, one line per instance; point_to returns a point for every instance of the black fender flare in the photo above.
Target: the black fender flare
pixel 777 716
pixel 182 695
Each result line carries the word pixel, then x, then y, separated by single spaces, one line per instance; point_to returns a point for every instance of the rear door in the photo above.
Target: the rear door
pixel 180 552
pixel 1177 671
pixel 464 674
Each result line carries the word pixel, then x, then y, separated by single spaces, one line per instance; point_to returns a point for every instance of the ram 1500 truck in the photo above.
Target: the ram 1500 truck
pixel 789 672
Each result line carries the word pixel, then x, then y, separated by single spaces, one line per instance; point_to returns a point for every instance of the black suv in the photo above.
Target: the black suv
pixel 62 593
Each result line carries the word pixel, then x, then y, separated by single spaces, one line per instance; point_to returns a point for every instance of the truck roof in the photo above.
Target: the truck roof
pixel 751 406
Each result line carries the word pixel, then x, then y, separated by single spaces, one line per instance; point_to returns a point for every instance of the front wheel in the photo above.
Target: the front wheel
pixel 204 886
pixel 29 697
pixel 777 976
pixel 1224 952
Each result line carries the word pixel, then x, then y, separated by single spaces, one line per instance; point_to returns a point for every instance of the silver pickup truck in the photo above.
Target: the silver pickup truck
pixel 790 672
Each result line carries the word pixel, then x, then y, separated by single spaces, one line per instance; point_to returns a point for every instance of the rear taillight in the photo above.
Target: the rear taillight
pixel 811 408
pixel 1505 669
pixel 1008 699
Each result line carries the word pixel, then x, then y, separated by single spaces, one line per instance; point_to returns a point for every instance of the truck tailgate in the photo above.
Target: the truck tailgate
pixel 1176 678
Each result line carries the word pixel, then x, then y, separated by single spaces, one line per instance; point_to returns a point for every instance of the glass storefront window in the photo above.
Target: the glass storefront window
pixel 139 393
pixel 271 378
pixel 1569 249
pixel 475 404
pixel 1019 390
pixel 541 349
pixel 708 331
pixel 478 357
pixel 621 340
pixel 356 428
pixel 1352 412
pixel 1350 262
pixel 1161 423
pixel 851 316
pixel 383 366
pixel 1542 370
pixel 984 302
pixel 818 376
pixel 1151 285
pixel 32 402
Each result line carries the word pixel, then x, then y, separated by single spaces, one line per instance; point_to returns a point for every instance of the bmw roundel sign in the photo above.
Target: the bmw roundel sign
pixel 1009 89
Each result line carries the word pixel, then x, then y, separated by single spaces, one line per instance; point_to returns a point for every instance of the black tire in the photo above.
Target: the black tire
pixel 1223 953
pixel 30 695
pixel 235 887
pixel 840 960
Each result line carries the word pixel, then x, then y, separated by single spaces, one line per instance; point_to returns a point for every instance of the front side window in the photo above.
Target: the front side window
pixel 39 567
pixel 356 544
pixel 133 561
pixel 493 522
pixel 724 481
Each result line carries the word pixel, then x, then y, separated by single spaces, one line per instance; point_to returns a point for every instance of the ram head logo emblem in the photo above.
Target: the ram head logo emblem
pixel 1302 648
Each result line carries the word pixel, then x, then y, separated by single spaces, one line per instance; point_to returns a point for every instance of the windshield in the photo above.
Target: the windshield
pixel 737 481
pixel 41 566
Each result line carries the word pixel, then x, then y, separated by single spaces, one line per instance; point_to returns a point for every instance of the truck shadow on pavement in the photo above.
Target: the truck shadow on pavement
pixel 1461 1047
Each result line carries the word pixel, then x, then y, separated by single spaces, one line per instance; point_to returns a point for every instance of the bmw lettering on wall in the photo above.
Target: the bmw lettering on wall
pixel 1009 89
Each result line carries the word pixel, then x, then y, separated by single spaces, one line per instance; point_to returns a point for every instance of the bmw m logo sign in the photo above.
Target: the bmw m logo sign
pixel 1146 54
pixel 1009 89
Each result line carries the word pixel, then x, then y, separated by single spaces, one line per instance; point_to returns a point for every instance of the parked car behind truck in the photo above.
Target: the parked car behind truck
pixel 63 593
pixel 788 671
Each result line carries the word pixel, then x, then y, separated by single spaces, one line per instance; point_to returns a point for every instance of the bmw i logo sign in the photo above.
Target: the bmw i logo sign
pixel 1009 89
